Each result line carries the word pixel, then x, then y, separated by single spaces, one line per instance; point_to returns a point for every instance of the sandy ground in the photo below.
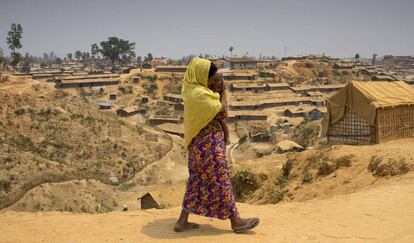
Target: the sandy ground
pixel 381 214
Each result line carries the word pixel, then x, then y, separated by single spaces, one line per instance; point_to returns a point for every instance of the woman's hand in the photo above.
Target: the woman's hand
pixel 223 100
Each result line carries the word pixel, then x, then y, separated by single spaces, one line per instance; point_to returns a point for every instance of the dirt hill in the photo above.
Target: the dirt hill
pixel 313 72
pixel 324 172
pixel 49 135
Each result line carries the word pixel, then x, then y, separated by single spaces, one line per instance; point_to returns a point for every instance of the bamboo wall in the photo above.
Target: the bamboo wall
pixel 395 122
pixel 351 129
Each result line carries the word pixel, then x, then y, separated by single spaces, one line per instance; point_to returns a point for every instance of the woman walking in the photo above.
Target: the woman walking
pixel 209 191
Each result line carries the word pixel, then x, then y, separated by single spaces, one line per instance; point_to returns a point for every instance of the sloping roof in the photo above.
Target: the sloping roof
pixel 79 81
pixel 172 128
pixel 277 84
pixel 165 117
pixel 364 98
pixel 287 145
pixel 305 109
pixel 383 94
pixel 242 60
pixel 175 96
pixel 248 85
pixel 130 109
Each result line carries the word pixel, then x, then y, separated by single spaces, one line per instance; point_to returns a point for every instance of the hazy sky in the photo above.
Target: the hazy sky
pixel 174 28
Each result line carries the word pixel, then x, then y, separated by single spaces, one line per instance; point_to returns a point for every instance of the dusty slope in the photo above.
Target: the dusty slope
pixel 383 214
pixel 313 72
pixel 327 171
pixel 48 135
pixel 165 179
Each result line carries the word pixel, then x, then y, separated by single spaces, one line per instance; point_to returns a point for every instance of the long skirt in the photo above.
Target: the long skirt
pixel 209 191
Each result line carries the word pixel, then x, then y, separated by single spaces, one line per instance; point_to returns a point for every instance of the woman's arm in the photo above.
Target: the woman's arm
pixel 223 100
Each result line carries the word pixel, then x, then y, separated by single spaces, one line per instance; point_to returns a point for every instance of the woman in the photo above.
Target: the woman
pixel 209 191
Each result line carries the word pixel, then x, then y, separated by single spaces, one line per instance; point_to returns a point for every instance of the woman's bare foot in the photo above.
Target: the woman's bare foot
pixel 180 227
pixel 183 224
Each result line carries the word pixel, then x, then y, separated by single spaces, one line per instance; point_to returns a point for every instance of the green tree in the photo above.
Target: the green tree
pixel 139 61
pixel 94 50
pixel 127 58
pixel 374 58
pixel 114 49
pixel 13 40
pixel 78 55
pixel 58 61
pixel 26 63
pixel 69 56
pixel 85 56
pixel 148 58
pixel 231 50
pixel 52 56
pixel 357 57
pixel 46 57
pixel 2 59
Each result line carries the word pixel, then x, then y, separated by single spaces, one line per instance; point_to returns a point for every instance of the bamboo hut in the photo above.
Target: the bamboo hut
pixel 370 112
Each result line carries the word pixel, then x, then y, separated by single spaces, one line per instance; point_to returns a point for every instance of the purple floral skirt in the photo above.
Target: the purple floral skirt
pixel 209 191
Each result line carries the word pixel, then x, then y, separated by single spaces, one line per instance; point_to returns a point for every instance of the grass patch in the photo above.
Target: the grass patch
pixel 277 195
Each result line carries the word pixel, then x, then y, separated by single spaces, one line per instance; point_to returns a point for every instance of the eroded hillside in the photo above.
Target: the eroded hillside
pixel 48 135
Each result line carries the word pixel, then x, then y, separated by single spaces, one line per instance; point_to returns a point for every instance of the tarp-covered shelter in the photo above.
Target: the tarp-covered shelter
pixel 147 201
pixel 370 112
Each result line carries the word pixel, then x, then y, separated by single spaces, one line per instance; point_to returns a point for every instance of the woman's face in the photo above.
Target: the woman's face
pixel 212 79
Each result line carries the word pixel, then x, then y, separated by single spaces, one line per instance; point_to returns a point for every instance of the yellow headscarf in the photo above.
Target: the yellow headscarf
pixel 201 104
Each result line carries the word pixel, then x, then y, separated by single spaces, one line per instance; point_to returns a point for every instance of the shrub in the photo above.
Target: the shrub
pixel 5 185
pixel 389 167
pixel 306 134
pixel 26 144
pixel 263 75
pixel 139 129
pixel 244 183
pixel 277 195
pixel 243 139
pixel 307 177
pixel 150 87
pixel 326 168
pixel 283 178
pixel 344 161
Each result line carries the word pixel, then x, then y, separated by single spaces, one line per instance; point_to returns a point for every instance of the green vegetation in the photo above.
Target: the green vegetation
pixel 150 87
pixel 306 134
pixel 307 177
pixel 116 49
pixel 277 195
pixel 244 183
pixel 243 139
pixel 283 178
pixel 140 130
pixel 263 75
pixel 148 58
pixel 26 144
pixel 328 166
pixel 5 185
pixel 14 37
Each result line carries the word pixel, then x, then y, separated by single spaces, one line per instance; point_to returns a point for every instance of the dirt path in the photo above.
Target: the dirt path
pixel 381 214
